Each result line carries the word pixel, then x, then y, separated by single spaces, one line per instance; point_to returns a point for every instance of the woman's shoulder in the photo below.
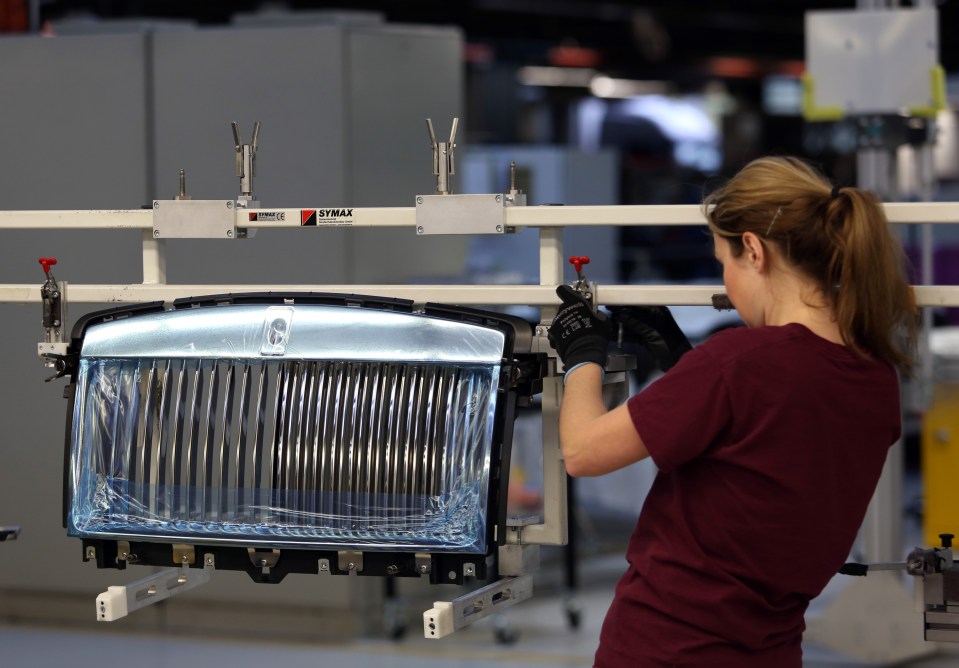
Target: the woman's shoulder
pixel 736 341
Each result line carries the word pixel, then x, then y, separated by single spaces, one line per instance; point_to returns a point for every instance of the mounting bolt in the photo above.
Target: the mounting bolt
pixel 91 552
pixel 229 205
pixel 209 560
pixel 499 228
pixel 419 229
pixel 469 569
pixel 499 198
pixel 156 233
pixel 185 559
pixel 419 200
pixel 392 570
pixel 229 233
pixel 424 569
pixel 351 566
pixel 156 205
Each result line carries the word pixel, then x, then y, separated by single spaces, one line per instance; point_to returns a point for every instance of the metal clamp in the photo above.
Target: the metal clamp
pixel 246 164
pixel 444 164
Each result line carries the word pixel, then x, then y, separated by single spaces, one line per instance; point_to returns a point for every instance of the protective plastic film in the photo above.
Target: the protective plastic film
pixel 381 455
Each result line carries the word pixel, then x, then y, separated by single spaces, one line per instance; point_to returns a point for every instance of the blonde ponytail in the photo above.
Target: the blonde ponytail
pixel 837 237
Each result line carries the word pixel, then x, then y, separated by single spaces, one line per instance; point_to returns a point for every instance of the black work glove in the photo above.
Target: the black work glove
pixel 578 334
pixel 653 328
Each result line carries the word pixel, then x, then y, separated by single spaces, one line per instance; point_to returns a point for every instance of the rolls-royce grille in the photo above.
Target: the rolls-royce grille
pixel 379 454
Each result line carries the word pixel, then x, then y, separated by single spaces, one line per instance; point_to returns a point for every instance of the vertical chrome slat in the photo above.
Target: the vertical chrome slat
pixel 173 467
pixel 326 433
pixel 298 424
pixel 357 442
pixel 112 458
pixel 456 445
pixel 309 444
pixel 191 442
pixel 416 437
pixel 374 441
pixel 292 428
pixel 319 449
pixel 431 418
pixel 238 482
pixel 271 493
pixel 146 435
pixel 221 494
pixel 435 433
pixel 335 442
pixel 259 429
pixel 340 443
pixel 205 456
pixel 449 425
pixel 152 402
pixel 159 435
pixel 282 473
pixel 401 416
pixel 380 436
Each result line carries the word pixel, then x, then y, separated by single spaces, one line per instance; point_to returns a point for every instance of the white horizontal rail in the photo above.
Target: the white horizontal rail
pixel 517 216
pixel 464 295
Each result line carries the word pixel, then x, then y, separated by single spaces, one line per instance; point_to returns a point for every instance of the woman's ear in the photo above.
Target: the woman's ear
pixel 755 251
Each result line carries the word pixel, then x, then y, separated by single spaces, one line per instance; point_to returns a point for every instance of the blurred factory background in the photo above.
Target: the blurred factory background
pixel 597 102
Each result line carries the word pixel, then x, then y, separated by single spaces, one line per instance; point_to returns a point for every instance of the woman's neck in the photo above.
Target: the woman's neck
pixel 798 302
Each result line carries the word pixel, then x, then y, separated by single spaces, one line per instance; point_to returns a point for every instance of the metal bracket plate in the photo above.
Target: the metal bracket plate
pixel 183 554
pixel 349 560
pixel 424 563
pixel 460 214
pixel 119 601
pixel 263 558
pixel 194 219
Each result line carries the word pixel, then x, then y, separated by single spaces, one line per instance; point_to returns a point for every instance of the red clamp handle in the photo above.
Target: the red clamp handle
pixel 578 261
pixel 46 263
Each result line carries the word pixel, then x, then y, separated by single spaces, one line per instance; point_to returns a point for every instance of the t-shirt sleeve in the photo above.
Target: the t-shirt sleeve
pixel 680 415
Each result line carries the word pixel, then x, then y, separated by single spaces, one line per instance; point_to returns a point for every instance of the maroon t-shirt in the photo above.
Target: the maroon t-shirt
pixel 769 443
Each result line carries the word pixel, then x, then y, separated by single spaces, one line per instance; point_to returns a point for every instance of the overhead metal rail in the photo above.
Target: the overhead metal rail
pixel 549 220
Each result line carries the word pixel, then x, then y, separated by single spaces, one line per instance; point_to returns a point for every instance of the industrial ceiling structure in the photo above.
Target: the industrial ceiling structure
pixel 662 39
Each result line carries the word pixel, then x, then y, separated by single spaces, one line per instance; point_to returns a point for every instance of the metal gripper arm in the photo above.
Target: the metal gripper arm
pixel 246 162
pixel 444 164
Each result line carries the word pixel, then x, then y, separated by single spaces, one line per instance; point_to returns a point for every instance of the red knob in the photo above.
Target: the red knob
pixel 578 261
pixel 46 263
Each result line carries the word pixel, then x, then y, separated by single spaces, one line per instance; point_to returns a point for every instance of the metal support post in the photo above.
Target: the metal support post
pixel 154 259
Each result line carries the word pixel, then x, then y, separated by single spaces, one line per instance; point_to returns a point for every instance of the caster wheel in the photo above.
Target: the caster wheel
pixel 506 636
pixel 574 613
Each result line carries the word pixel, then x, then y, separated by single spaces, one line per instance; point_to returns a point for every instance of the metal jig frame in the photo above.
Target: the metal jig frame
pixel 497 214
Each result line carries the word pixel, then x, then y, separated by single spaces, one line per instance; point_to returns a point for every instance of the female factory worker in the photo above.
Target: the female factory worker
pixel 769 440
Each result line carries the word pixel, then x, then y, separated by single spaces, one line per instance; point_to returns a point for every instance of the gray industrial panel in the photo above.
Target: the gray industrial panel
pixel 289 79
pixel 292 81
pixel 74 122
pixel 399 77
pixel 74 134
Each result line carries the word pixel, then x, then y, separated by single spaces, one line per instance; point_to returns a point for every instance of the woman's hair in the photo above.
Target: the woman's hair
pixel 837 237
